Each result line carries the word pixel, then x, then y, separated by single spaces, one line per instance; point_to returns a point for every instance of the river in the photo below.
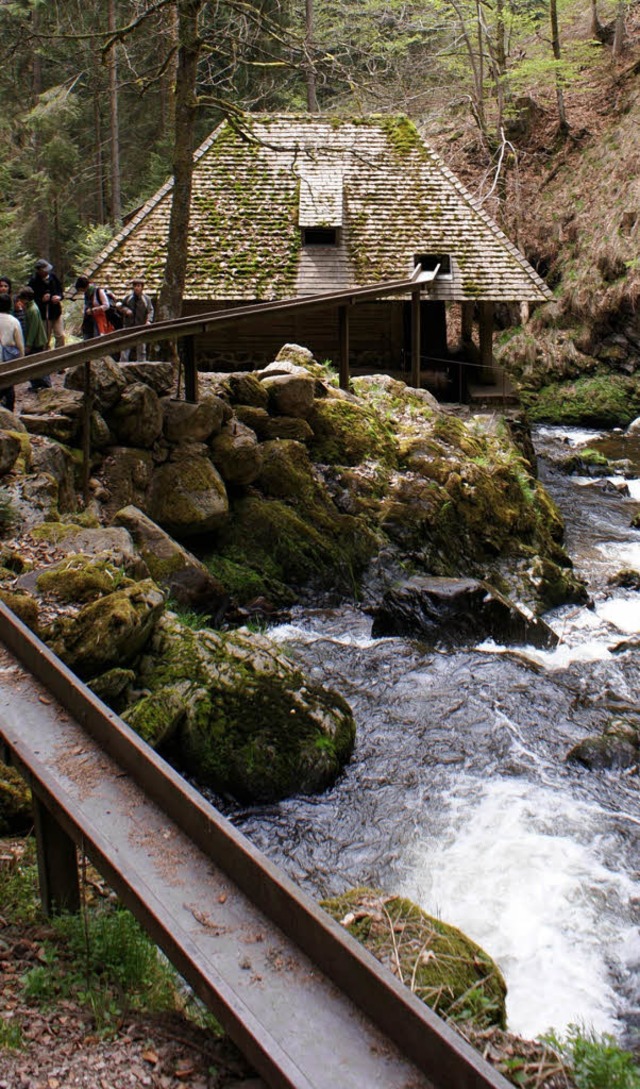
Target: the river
pixel 458 794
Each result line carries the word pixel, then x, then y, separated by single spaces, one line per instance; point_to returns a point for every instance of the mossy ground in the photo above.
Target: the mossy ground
pixel 605 400
pixel 15 802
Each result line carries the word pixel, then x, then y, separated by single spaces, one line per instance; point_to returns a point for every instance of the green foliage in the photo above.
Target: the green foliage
pixel 19 901
pixel 596 1061
pixel 103 959
pixel 11 1038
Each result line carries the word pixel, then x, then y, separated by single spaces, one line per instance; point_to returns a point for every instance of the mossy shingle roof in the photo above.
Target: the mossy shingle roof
pixel 388 194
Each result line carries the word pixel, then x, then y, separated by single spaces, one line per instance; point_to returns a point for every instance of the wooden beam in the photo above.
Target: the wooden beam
pixel 486 342
pixel 57 863
pixel 343 337
pixel 416 339
pixel 87 409
pixel 190 371
pixel 466 322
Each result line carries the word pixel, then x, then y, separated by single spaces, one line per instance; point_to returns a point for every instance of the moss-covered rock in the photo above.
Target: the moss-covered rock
pixel 605 400
pixel 15 802
pixel 137 418
pixel 346 433
pixel 444 968
pixel 9 451
pixel 23 604
pixel 236 454
pixel 82 578
pixel 252 725
pixel 297 545
pixel 187 495
pixel 108 632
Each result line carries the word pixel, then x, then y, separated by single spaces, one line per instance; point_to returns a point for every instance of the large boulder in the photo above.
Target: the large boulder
pixel 109 632
pixel 126 477
pixel 48 456
pixel 56 413
pixel 136 420
pixel 186 580
pixel 236 454
pixel 10 448
pixel 346 433
pixel 187 494
pixel 9 422
pixel 184 420
pixel 107 381
pixel 444 968
pixel 248 721
pixel 290 394
pixel 448 611
pixel 244 388
pixel 160 376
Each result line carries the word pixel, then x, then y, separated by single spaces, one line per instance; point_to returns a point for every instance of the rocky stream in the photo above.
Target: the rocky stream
pixel 459 794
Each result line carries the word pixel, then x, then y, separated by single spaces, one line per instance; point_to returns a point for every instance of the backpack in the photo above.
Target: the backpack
pixel 113 314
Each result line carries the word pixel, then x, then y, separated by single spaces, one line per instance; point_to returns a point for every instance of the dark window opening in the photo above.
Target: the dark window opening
pixel 319 236
pixel 430 261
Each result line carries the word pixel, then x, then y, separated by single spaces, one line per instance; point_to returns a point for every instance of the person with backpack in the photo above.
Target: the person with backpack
pixel 11 345
pixel 48 294
pixel 136 309
pixel 96 303
pixel 35 334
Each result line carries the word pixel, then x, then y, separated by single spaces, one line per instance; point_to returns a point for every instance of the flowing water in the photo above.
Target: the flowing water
pixel 458 794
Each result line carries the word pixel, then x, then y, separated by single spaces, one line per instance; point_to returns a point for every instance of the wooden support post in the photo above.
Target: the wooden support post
pixel 466 322
pixel 87 409
pixel 486 342
pixel 57 863
pixel 343 336
pixel 416 339
pixel 190 371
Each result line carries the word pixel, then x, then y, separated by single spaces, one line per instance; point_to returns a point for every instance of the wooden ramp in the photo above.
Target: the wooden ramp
pixel 305 1003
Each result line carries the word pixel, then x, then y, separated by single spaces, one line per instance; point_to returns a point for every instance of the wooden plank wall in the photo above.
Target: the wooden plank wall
pixel 376 336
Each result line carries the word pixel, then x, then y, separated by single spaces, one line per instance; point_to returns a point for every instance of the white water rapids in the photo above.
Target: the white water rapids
pixel 458 794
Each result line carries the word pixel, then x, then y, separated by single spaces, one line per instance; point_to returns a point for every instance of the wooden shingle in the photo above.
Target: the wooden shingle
pixel 389 195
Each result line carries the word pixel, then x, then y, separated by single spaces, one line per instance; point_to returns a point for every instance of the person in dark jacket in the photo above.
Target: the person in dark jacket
pixel 35 335
pixel 47 290
pixel 136 309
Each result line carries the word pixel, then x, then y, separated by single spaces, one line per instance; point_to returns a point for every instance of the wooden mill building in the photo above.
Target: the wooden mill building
pixel 296 205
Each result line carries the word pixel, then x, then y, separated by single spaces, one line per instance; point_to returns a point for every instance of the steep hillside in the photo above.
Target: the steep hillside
pixel 573 206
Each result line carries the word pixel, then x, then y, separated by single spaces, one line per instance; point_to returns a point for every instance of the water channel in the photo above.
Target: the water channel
pixel 458 794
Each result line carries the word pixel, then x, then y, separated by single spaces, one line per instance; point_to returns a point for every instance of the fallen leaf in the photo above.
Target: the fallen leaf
pixel 150 1056
pixel 222 898
pixel 45 699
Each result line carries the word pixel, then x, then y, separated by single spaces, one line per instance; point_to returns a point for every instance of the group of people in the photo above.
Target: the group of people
pixel 31 316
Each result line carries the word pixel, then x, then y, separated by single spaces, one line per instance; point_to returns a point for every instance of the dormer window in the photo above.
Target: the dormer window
pixel 430 261
pixel 319 236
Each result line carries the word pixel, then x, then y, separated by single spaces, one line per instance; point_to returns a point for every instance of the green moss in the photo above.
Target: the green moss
pixel 401 134
pixel 81 578
pixel 23 604
pixel 610 400
pixel 15 802
pixel 346 433
pixel 243 582
pixel 444 968
pixel 311 547
pixel 251 722
pixel 52 531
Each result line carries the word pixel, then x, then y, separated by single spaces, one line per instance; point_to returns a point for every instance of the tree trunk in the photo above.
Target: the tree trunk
pixel 310 72
pixel 172 290
pixel 42 213
pixel 97 156
pixel 168 81
pixel 114 127
pixel 620 32
pixel 563 124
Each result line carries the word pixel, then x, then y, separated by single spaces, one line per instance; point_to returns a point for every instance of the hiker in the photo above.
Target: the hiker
pixel 96 304
pixel 48 295
pixel 11 344
pixel 35 334
pixel 136 309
